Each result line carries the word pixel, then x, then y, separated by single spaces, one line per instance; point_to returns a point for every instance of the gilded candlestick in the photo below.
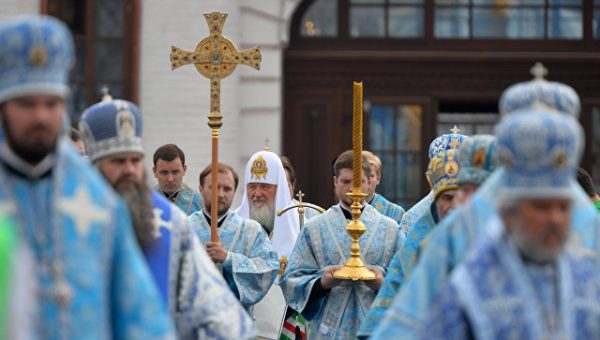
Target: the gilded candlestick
pixel 355 268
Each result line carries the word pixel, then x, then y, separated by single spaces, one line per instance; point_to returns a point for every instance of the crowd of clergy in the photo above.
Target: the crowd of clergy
pixel 506 245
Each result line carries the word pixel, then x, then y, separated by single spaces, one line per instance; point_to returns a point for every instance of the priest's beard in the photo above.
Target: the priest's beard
pixel 137 195
pixel 222 207
pixel 533 248
pixel 31 151
pixel 265 215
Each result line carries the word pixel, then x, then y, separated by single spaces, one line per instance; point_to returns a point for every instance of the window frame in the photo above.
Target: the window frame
pixel 343 40
pixel 131 43
pixel 426 120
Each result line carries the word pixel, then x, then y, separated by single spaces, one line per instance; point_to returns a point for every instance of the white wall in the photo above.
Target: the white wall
pixel 10 8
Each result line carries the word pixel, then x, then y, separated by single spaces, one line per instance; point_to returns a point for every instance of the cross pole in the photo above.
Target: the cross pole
pixel 215 57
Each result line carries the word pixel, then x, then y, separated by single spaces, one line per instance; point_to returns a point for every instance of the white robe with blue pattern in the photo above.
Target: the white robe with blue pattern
pixel 71 214
pixel 412 215
pixel 450 243
pixel 324 242
pixel 197 295
pixel 251 264
pixel 493 295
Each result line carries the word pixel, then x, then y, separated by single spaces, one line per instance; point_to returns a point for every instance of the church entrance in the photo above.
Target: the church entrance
pixel 425 67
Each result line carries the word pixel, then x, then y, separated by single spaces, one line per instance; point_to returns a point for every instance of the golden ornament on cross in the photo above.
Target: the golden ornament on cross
pixel 215 57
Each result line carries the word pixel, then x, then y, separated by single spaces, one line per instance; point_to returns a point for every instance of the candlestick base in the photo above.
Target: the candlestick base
pixel 355 269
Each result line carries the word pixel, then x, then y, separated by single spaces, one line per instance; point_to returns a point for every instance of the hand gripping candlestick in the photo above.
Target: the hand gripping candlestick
pixel 215 57
pixel 355 268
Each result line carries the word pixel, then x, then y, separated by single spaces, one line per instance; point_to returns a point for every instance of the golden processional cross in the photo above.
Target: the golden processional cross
pixel 215 57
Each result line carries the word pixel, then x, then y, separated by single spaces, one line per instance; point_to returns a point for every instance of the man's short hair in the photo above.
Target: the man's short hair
pixel 287 165
pixel 169 152
pixel 345 160
pixel 585 180
pixel 373 161
pixel 222 168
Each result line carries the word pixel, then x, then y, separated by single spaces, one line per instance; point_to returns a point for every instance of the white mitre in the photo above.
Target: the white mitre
pixel 265 167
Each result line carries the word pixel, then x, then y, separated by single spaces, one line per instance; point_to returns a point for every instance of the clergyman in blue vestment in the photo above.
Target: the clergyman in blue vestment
pixel 90 277
pixel 454 237
pixel 191 288
pixel 335 308
pixel 169 169
pixel 526 282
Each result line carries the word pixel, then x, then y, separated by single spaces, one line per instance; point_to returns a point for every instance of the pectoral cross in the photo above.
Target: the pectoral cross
pixel 215 57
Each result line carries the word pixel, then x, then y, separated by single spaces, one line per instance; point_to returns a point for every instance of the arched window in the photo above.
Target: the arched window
pixel 105 37
pixel 320 20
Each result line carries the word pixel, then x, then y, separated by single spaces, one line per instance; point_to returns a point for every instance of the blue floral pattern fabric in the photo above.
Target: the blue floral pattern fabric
pixel 71 216
pixel 413 214
pixel 496 295
pixel 324 242
pixel 251 264
pixel 197 295
pixel 540 93
pixel 387 208
pixel 449 244
pixel 189 200
pixel 400 266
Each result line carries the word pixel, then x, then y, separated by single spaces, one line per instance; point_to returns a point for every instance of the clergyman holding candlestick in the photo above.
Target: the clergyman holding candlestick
pixel 323 246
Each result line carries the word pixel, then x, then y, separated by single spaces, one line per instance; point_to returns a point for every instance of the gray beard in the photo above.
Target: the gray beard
pixel 138 199
pixel 265 216
pixel 532 249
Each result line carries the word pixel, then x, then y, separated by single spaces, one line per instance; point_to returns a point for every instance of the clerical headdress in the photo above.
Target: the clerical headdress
pixel 540 151
pixel 36 55
pixel 265 167
pixel 442 172
pixel 445 142
pixel 540 94
pixel 477 158
pixel 111 127
pixel 439 145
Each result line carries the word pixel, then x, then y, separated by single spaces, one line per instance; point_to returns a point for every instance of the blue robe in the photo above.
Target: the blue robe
pixel 188 199
pixel 190 285
pixel 412 215
pixel 324 242
pixel 448 245
pixel 69 215
pixel 387 208
pixel 400 266
pixel 495 295
pixel 251 264
pixel 412 243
